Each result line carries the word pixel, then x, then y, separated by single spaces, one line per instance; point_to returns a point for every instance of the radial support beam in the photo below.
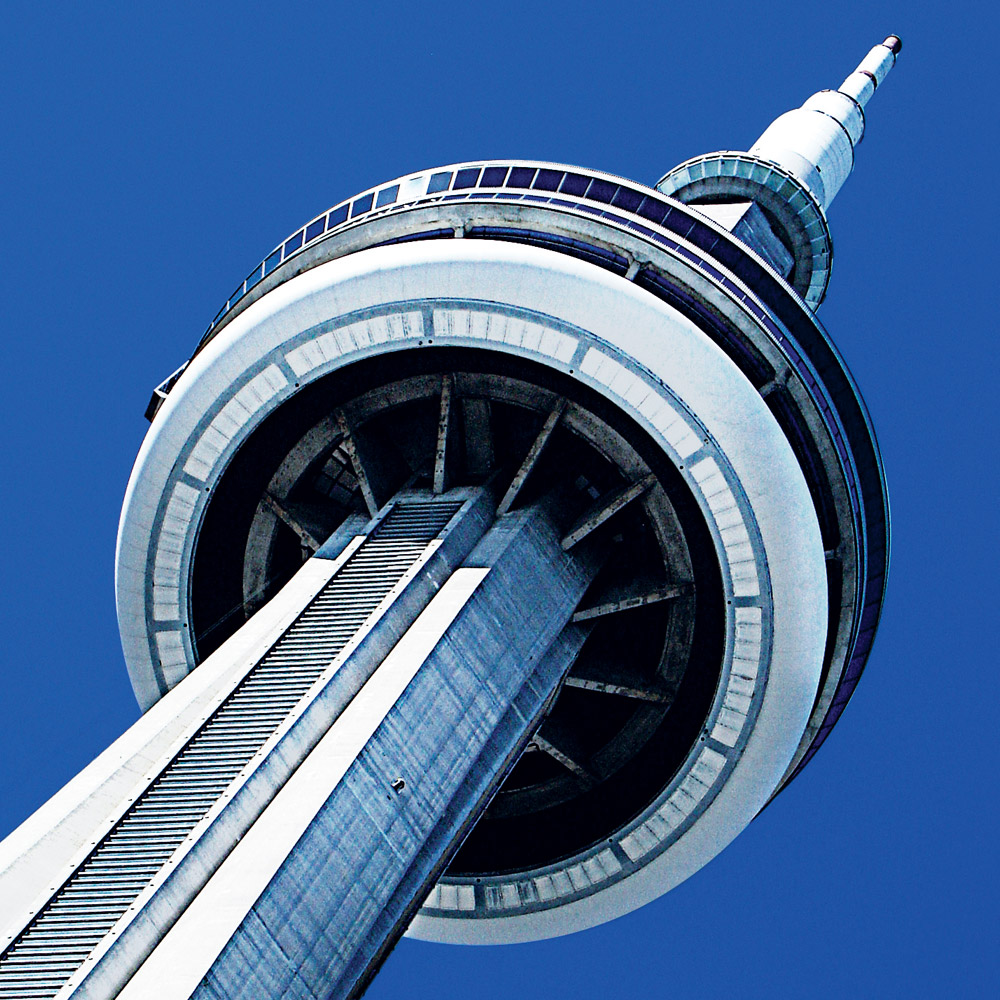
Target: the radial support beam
pixel 442 458
pixel 780 381
pixel 623 688
pixel 284 511
pixel 627 603
pixel 351 447
pixel 606 508
pixel 560 746
pixel 531 459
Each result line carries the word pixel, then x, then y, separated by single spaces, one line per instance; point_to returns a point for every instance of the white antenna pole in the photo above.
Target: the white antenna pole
pixel 816 142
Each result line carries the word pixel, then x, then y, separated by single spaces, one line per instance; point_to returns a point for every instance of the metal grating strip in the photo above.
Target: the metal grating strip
pixel 44 956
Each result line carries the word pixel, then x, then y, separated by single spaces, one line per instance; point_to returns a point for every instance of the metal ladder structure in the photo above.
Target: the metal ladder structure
pixel 86 907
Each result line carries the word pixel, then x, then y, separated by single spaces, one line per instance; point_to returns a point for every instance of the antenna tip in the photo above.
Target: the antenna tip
pixel 894 43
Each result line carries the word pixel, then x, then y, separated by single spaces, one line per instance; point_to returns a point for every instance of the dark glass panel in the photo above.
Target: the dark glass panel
pixel 602 191
pixel 627 198
pixel 575 184
pixel 387 196
pixel 548 180
pixel 493 177
pixel 466 178
pixel 653 209
pixel 520 177
pixel 361 205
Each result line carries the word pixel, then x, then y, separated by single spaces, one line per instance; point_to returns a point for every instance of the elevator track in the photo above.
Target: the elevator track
pixel 46 954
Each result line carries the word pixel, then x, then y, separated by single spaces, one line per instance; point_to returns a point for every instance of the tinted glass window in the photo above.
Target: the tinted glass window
pixel 493 177
pixel 439 182
pixel 361 205
pixel 653 209
pixel 574 184
pixel 387 196
pixel 548 180
pixel 602 191
pixel 520 177
pixel 627 198
pixel 466 178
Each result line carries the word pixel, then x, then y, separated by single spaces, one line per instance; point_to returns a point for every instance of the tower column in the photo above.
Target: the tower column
pixel 310 812
pixel 314 897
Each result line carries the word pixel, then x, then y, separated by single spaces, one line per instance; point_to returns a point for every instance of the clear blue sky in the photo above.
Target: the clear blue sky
pixel 154 153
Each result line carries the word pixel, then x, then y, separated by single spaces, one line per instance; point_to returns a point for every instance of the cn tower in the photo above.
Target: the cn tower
pixel 513 535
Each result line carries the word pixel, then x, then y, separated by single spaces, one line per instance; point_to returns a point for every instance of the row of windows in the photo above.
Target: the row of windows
pixel 445 184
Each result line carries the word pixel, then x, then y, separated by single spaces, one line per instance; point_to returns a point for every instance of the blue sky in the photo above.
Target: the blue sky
pixel 153 155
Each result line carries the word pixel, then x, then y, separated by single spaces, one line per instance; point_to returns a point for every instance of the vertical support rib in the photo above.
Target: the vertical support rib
pixel 351 447
pixel 441 456
pixel 531 459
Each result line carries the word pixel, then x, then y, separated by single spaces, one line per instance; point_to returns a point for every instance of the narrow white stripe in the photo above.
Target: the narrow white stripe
pixel 186 953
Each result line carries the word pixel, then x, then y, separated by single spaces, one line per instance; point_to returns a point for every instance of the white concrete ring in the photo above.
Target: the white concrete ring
pixel 254 363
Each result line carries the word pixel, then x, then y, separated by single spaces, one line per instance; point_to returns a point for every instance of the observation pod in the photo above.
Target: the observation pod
pixel 525 434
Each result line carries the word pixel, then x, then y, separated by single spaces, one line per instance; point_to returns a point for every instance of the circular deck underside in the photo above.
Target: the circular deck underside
pixel 647 766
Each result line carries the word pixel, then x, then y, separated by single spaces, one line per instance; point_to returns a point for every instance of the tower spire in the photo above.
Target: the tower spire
pixel 817 141
pixel 789 177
